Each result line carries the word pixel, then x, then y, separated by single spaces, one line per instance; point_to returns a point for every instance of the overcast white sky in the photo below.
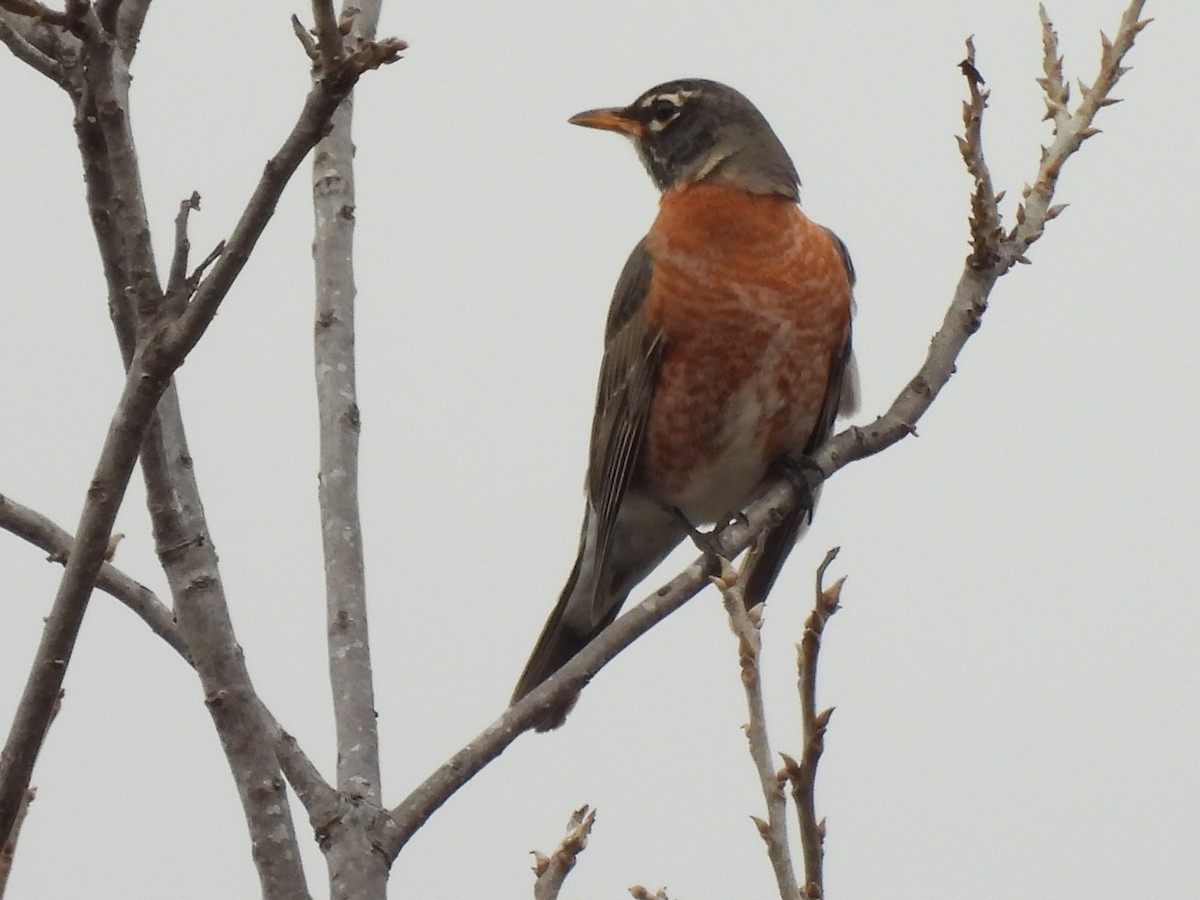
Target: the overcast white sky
pixel 1015 670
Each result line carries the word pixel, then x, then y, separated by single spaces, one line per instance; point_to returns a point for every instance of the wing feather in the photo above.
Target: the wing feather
pixel 628 374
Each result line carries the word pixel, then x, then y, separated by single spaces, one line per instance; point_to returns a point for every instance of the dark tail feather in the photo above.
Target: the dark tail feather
pixel 777 544
pixel 553 650
pixel 555 647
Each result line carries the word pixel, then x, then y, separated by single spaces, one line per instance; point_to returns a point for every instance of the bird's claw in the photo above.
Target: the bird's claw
pixel 806 477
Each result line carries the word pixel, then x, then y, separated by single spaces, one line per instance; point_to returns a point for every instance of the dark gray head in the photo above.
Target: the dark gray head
pixel 697 130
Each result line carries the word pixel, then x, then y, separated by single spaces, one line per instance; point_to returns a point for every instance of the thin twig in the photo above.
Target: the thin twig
pixel 1056 89
pixel 1069 132
pixel 194 279
pixel 329 38
pixel 177 279
pixel 314 792
pixel 38 530
pixel 803 774
pixel 747 625
pixel 552 870
pixel 35 10
pixel 311 125
pixel 305 38
pixel 985 211
pixel 32 56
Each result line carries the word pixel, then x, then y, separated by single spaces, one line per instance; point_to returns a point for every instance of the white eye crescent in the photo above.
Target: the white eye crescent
pixel 664 109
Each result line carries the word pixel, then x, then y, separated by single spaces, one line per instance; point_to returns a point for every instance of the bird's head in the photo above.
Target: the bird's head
pixel 695 130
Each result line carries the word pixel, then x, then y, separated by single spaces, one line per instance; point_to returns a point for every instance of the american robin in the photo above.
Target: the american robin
pixel 727 353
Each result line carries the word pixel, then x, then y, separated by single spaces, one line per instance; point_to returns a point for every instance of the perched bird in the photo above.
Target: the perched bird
pixel 726 353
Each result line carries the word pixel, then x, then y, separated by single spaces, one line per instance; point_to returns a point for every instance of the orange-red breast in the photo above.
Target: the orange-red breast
pixel 727 351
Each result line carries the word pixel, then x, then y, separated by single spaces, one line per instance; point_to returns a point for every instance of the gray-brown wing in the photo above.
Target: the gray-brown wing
pixel 628 373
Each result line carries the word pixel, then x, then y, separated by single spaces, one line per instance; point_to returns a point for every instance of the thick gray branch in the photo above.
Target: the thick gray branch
pixel 356 869
pixel 189 559
pixel 103 498
pixel 345 586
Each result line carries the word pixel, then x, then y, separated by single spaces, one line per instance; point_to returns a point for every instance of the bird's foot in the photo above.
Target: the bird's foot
pixel 806 477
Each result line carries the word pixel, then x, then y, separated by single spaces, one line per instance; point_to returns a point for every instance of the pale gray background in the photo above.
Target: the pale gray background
pixel 1015 669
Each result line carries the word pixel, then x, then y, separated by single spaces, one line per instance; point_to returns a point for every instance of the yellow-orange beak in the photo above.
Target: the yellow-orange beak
pixel 610 120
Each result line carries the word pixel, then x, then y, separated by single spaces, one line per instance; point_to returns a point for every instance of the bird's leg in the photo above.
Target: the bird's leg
pixel 806 477
pixel 707 542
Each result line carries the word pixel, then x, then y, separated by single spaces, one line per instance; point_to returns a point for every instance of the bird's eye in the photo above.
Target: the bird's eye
pixel 663 110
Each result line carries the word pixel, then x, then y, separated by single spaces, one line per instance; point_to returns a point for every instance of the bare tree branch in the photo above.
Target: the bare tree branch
pixel 35 10
pixel 803 774
pixel 177 277
pixel 124 18
pixel 35 528
pixel 746 625
pixel 62 625
pixel 181 534
pixel 319 106
pixel 101 197
pixel 355 870
pixel 11 34
pixel 154 359
pixel 9 849
pixel 305 39
pixel 341 531
pixel 1070 130
pixel 329 38
pixel 106 96
pixel 552 870
pixel 984 220
pixel 130 20
pixel 315 794
pixel 189 560
pixel 1058 92
pixel 40 531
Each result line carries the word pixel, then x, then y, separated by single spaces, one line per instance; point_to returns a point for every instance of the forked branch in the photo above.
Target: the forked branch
pixel 747 625
pixel 161 347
